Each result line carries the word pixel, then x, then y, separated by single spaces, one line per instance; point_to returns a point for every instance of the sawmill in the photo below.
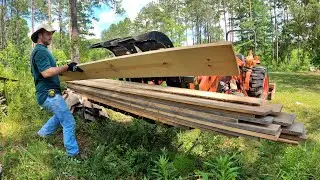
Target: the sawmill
pixel 204 86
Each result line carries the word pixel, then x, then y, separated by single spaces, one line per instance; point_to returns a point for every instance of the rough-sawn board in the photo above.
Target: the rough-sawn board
pixel 205 59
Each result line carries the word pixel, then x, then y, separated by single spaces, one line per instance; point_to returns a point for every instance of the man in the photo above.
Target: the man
pixel 47 84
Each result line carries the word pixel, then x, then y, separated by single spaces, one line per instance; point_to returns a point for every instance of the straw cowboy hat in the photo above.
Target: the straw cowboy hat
pixel 47 27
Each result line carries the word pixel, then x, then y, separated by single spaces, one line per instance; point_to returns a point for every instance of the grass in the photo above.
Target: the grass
pixel 123 147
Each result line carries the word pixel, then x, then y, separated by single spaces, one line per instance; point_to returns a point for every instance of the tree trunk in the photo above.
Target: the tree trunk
pixel 3 25
pixel 50 21
pixel 276 30
pixel 193 34
pixel 232 25
pixel 208 34
pixel 197 29
pixel 60 23
pixel 32 18
pixel 200 33
pixel 74 32
pixel 272 39
pixel 186 24
pixel 49 12
pixel 11 15
pixel 225 17
pixel 299 50
pixel 17 37
pixel 250 10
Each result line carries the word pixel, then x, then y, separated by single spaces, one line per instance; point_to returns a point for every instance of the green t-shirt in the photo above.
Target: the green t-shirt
pixel 41 60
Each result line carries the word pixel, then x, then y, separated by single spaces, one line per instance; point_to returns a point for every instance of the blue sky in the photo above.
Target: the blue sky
pixel 107 16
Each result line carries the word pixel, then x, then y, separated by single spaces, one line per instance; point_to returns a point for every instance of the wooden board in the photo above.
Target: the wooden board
pixel 205 59
pixel 288 141
pixel 271 129
pixel 297 128
pixel 183 91
pixel 284 119
pixel 258 120
pixel 274 108
pixel 256 110
pixel 294 138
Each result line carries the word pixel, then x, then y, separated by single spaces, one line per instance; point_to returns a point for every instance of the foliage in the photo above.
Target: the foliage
pixel 222 168
pixel 59 56
pixel 163 168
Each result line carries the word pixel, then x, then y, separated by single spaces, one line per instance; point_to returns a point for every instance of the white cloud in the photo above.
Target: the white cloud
pixel 96 30
pixel 106 18
pixel 133 8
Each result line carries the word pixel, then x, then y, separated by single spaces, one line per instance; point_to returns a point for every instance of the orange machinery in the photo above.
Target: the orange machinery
pixel 252 81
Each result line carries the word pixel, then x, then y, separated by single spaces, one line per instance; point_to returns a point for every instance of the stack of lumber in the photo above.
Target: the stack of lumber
pixel 222 113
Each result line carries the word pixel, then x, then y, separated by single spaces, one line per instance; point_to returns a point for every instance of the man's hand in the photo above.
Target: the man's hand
pixel 73 67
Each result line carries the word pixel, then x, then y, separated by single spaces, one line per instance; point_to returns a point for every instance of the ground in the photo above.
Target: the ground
pixel 141 149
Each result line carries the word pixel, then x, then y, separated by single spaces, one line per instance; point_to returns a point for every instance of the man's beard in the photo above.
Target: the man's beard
pixel 47 43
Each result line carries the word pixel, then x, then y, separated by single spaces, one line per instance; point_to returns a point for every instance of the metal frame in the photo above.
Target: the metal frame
pixel 245 30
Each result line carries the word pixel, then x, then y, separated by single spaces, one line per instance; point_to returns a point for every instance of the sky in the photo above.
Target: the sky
pixel 106 16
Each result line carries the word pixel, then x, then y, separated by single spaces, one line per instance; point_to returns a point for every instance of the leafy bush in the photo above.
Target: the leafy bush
pixel 222 168
pixel 163 169
pixel 60 57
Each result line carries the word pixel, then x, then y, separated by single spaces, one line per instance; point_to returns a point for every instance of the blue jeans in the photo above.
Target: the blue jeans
pixel 63 116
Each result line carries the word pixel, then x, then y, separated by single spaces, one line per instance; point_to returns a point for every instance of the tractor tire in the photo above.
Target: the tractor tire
pixel 259 83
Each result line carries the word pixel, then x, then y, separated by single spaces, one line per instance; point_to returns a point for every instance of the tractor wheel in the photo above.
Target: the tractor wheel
pixel 259 83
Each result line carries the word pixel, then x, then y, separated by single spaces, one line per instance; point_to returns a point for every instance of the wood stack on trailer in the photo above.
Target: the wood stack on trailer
pixel 222 113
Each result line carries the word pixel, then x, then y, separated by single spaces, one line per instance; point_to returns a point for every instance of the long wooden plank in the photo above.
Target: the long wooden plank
pixel 297 128
pixel 274 108
pixel 186 92
pixel 288 141
pixel 294 137
pixel 271 129
pixel 258 120
pixel 205 59
pixel 284 119
pixel 256 110
pixel 159 117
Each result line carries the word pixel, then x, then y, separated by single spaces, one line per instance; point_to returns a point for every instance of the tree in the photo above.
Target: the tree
pixel 85 12
pixel 3 24
pixel 121 29
pixel 74 32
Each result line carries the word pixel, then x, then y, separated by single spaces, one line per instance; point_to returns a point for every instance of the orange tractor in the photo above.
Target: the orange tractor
pixel 252 81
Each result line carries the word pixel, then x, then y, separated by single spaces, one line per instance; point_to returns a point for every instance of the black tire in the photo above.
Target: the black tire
pixel 172 83
pixel 257 82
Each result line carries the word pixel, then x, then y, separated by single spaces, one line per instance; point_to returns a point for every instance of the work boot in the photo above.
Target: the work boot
pixel 79 157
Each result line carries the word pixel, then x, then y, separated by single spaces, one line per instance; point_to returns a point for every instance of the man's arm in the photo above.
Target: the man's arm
pixel 52 71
